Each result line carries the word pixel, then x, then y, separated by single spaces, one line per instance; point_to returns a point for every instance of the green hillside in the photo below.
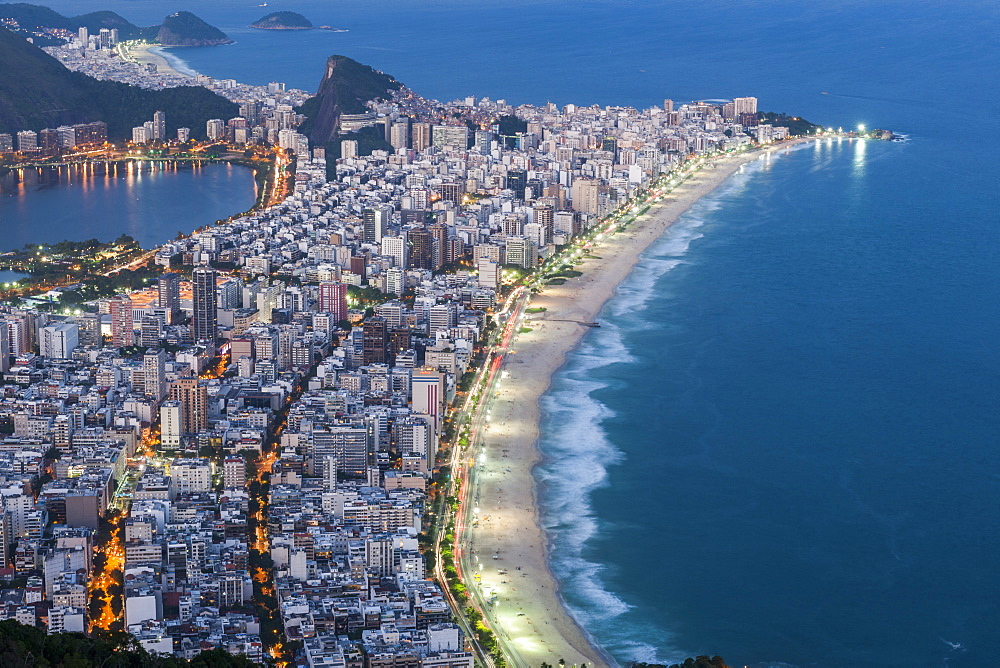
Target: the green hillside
pixel 36 92
pixel 186 29
pixel 36 17
pixel 795 124
pixel 179 29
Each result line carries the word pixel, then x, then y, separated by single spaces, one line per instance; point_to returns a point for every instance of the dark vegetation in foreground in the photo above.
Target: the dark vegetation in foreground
pixel 22 645
pixel 37 91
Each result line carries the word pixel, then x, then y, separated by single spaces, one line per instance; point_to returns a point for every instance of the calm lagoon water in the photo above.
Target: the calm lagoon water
pixel 151 202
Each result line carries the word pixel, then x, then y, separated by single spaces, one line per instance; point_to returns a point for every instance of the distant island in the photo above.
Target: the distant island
pixel 283 21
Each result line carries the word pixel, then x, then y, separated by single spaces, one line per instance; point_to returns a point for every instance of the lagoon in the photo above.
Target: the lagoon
pixel 151 202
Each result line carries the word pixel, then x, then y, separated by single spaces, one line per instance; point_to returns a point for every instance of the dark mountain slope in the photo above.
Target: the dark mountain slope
pixel 36 91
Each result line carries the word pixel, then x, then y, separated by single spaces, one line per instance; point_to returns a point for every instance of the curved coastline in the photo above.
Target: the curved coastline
pixel 174 62
pixel 532 614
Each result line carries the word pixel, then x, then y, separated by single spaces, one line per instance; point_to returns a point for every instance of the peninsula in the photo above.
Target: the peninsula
pixel 309 433
pixel 283 21
pixel 186 29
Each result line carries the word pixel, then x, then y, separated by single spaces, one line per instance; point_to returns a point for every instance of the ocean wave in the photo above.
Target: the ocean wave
pixel 577 453
pixel 577 458
pixel 175 61
pixel 667 252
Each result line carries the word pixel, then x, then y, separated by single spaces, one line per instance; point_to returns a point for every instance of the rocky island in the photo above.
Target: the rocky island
pixel 186 29
pixel 283 21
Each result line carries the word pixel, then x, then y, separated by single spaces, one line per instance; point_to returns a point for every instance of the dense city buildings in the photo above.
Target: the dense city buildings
pixel 205 311
pixel 321 341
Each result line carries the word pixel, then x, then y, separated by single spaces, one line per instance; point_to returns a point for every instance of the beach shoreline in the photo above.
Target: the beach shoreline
pixel 509 544
pixel 153 54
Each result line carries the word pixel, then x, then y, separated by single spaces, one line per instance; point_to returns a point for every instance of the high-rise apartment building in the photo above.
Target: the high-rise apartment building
pixel 171 424
pixel 375 222
pixel 427 391
pixel 744 105
pixel 484 141
pixel 150 331
pixel 4 347
pixel 193 398
pixel 586 196
pixel 517 181
pixel 376 340
pixel 439 245
pixel 522 252
pixel 168 298
pixel 399 134
pixel 453 137
pixel 154 375
pixel 122 329
pixel 395 247
pixel 215 128
pixel 205 321
pixel 545 216
pixel 421 137
pixel 58 341
pixel 395 281
pixel 159 126
pixel 27 140
pixel 333 300
pixel 348 446
pixel 421 243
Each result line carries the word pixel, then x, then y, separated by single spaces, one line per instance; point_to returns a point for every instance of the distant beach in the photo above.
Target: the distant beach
pixel 166 62
pixel 531 613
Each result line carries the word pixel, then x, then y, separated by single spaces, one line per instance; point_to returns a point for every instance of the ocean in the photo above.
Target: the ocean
pixel 780 446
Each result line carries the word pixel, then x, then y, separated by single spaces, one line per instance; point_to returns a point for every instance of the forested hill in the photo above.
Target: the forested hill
pixel 178 29
pixel 186 29
pixel 37 91
pixel 36 17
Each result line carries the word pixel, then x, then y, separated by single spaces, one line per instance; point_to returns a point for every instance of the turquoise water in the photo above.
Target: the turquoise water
pixel 781 445
pixel 150 202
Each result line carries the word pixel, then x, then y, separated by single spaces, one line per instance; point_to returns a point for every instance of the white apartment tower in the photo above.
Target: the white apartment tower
pixel 58 341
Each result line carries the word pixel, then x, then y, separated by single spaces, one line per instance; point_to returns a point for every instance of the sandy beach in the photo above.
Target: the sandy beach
pixel 150 53
pixel 529 614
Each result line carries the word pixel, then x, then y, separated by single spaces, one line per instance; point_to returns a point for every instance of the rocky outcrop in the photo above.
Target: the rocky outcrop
pixel 346 88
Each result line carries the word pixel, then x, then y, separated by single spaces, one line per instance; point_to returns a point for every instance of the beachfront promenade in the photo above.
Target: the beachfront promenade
pixel 503 552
